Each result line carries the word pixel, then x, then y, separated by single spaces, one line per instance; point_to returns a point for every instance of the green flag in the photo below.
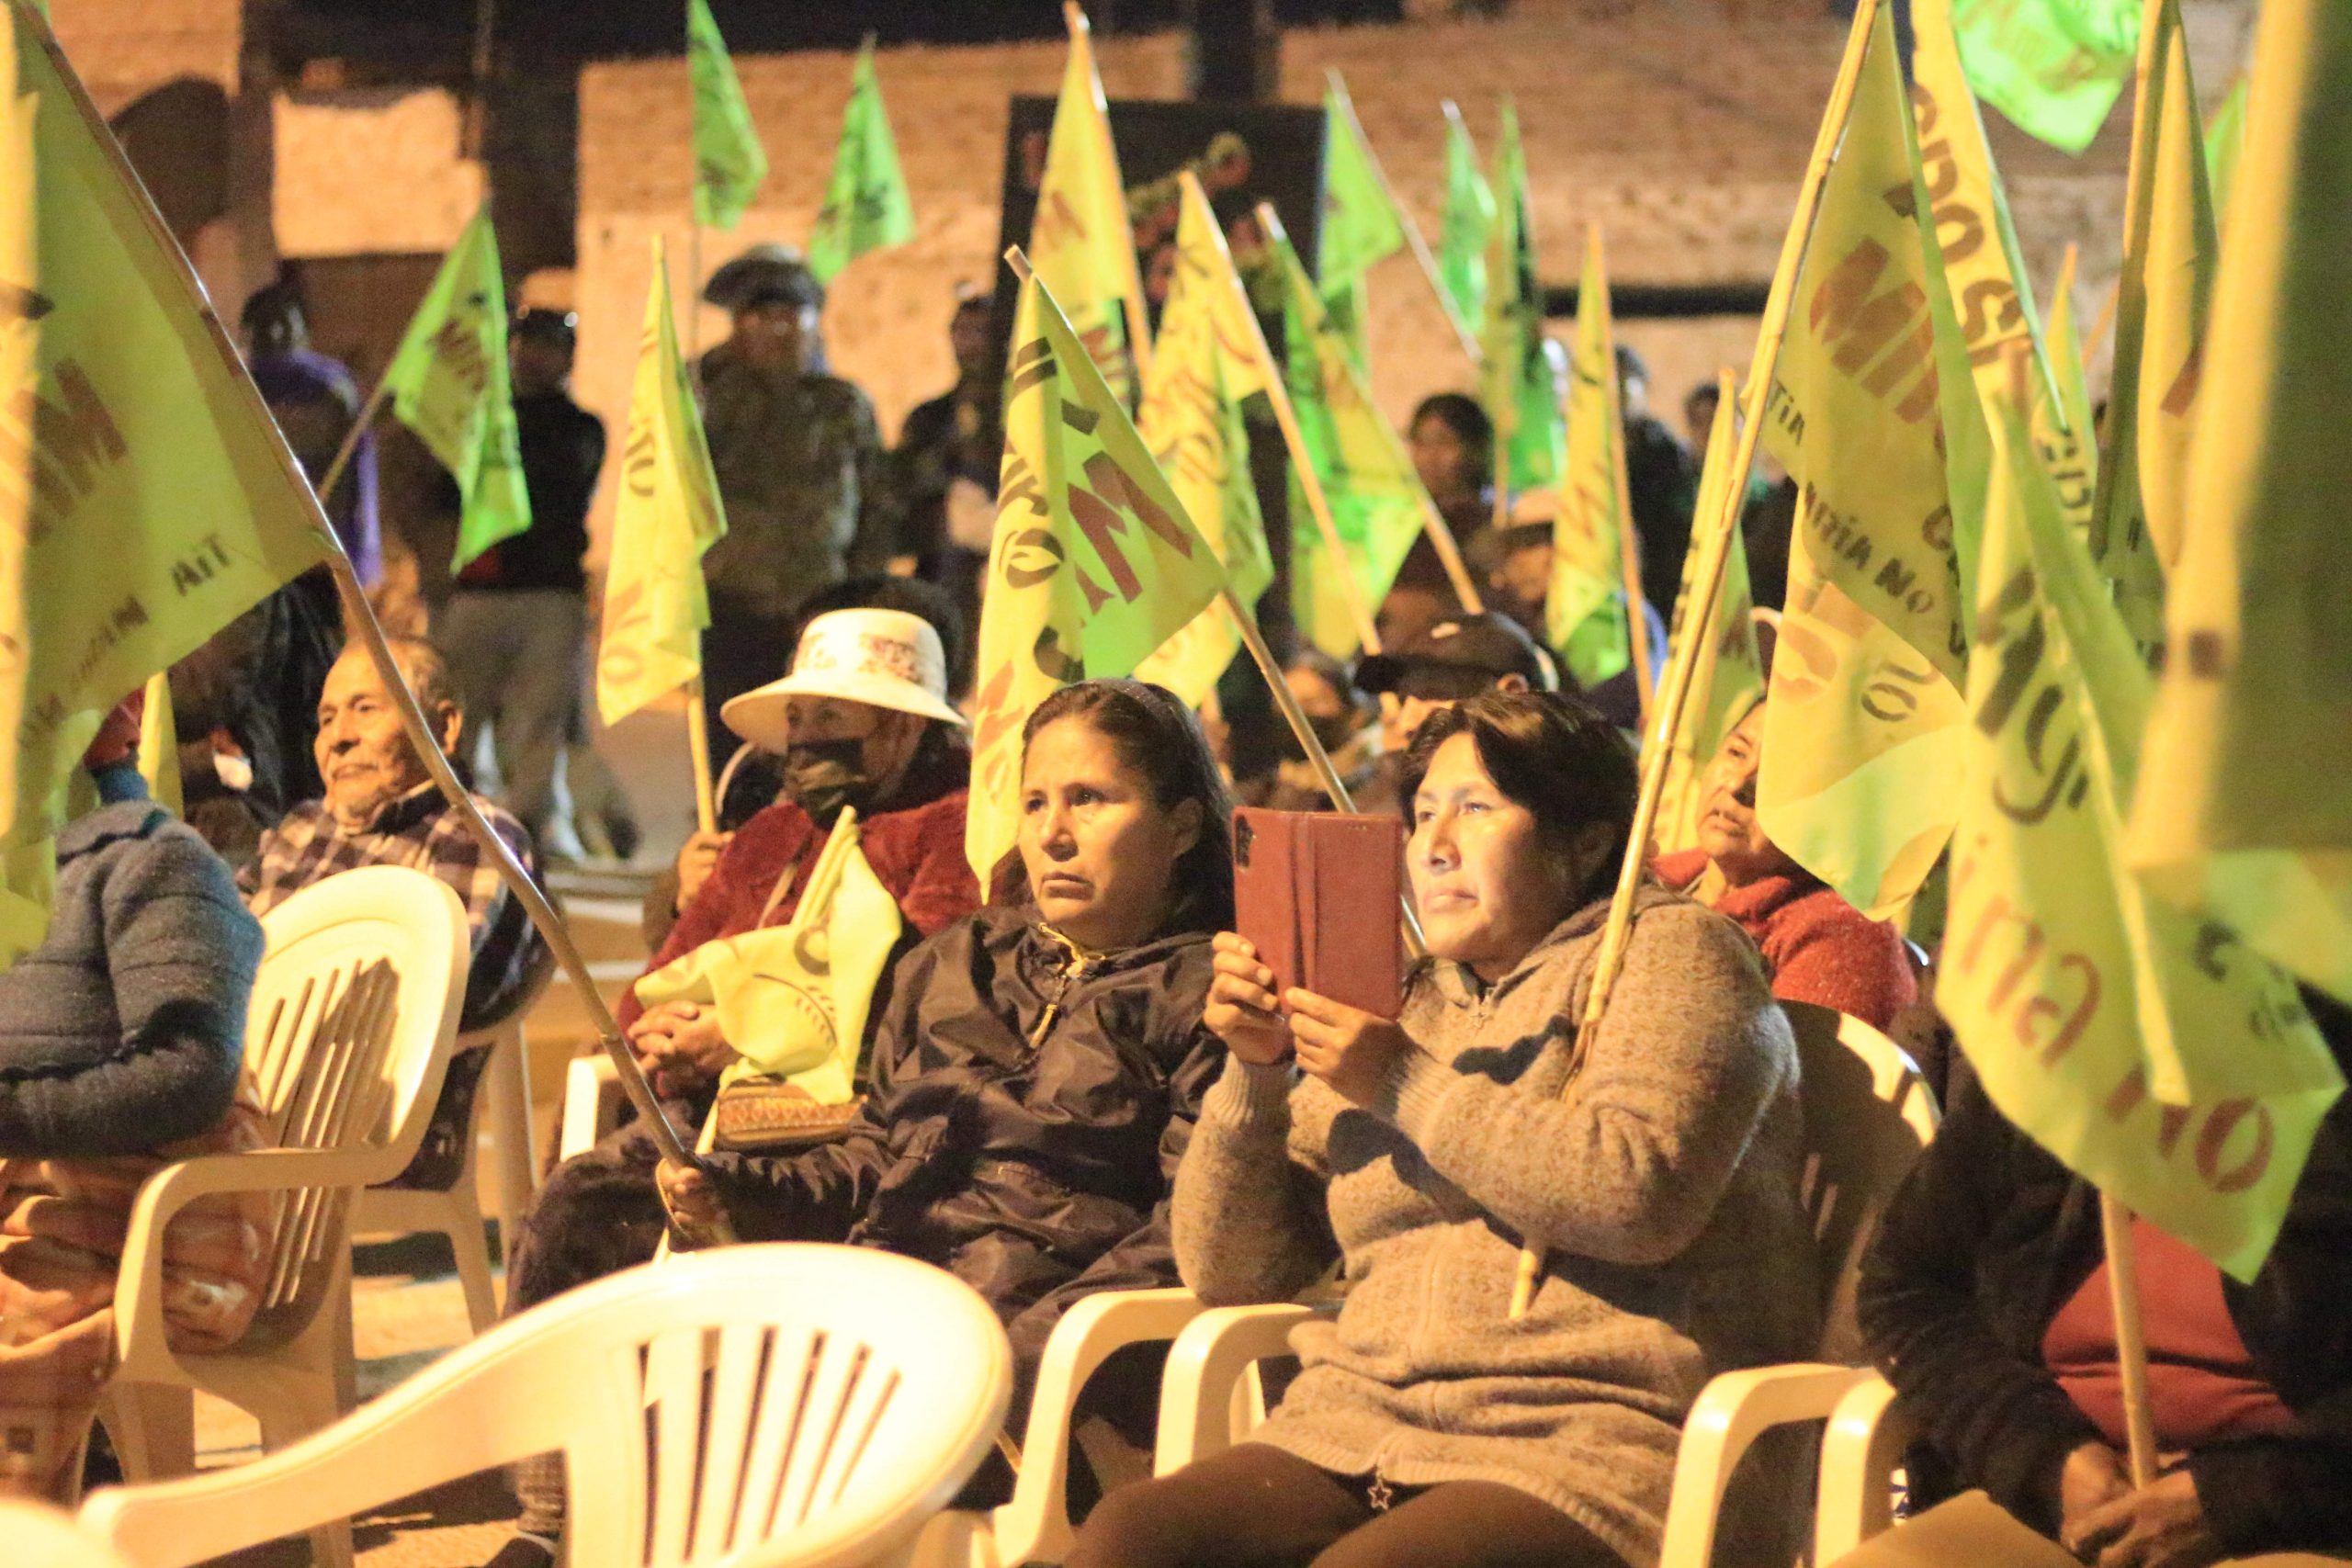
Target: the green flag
pixel 1360 221
pixel 2225 140
pixel 1522 371
pixel 729 163
pixel 2055 67
pixel 1468 224
pixel 449 383
pixel 2155 1054
pixel 1377 500
pixel 866 201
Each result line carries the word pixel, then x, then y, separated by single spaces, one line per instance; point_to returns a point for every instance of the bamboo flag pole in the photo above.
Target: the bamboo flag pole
pixel 412 712
pixel 2131 1335
pixel 1414 240
pixel 1665 714
pixel 351 438
pixel 1285 699
pixel 698 750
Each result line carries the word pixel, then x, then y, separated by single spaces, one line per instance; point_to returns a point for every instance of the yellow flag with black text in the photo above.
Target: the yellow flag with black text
pixel 1208 357
pixel 1860 738
pixel 2242 809
pixel 1094 563
pixel 146 499
pixel 2154 1053
pixel 668 516
pixel 1080 241
pixel 1584 610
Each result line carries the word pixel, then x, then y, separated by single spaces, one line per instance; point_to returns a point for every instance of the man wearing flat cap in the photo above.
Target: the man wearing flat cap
pixel 800 468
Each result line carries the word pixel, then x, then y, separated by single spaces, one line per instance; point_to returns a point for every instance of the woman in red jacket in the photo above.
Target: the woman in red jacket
pixel 1820 948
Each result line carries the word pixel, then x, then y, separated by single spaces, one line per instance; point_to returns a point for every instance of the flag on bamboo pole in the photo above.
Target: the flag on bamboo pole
pixel 2055 67
pixel 449 383
pixel 2225 141
pixel 1081 241
pixel 729 163
pixel 1859 779
pixel 867 206
pixel 1728 678
pixel 1522 390
pixel 2154 1053
pixel 1466 227
pixel 1361 225
pixel 2242 809
pixel 668 516
pixel 2170 249
pixel 146 499
pixel 1209 356
pixel 1094 564
pixel 159 746
pixel 1377 503
pixel 1584 610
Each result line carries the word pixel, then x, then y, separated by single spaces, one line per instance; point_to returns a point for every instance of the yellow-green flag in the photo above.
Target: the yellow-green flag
pixel 1468 225
pixel 449 383
pixel 1378 507
pixel 2242 807
pixel 159 745
pixel 1209 356
pixel 2224 142
pixel 729 163
pixel 1729 675
pixel 1094 565
pixel 1521 389
pixel 866 205
pixel 146 499
pixel 2158 1056
pixel 1081 241
pixel 668 516
pixel 2062 429
pixel 2170 248
pixel 1584 610
pixel 1361 224
pixel 1858 782
pixel 793 999
pixel 2053 66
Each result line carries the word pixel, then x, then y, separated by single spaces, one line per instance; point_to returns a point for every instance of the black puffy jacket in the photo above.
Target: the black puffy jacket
pixel 1028 1109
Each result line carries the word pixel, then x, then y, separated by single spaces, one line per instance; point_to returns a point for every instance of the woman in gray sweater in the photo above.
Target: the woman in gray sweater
pixel 1429 1428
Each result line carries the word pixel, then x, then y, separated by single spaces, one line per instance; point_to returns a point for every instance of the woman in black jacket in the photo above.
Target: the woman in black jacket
pixel 1983 1300
pixel 1040 1065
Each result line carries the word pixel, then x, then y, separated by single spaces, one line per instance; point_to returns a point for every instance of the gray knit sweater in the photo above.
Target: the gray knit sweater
pixel 125 1028
pixel 1665 1189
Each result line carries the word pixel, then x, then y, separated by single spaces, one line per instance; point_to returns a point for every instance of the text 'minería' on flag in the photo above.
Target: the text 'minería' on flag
pixel 1094 564
pixel 729 163
pixel 866 205
pixel 147 498
pixel 1209 356
pixel 2242 809
pixel 448 382
pixel 668 516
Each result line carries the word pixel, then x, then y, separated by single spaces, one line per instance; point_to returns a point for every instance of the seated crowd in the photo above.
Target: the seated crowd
pixel 1081 1079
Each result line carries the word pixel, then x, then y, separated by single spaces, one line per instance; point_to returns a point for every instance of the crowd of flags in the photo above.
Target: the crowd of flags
pixel 2092 696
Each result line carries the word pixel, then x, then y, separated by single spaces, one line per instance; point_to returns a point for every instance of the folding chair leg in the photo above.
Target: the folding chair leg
pixel 153 1428
pixel 301 1407
pixel 470 1246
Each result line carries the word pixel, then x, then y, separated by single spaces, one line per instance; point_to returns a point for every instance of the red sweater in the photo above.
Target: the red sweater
pixel 1820 948
pixel 917 853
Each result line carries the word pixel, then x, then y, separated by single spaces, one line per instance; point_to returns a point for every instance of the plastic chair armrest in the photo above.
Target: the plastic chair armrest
pixel 1732 1412
pixel 592 1086
pixel 1859 1455
pixel 1206 1361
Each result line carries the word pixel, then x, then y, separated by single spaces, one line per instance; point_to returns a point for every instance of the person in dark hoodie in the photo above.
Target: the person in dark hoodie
pixel 1985 1300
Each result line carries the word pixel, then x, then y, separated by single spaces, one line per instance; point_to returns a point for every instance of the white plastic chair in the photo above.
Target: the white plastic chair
pixel 500 1114
pixel 788 1405
pixel 37 1536
pixel 1860 1454
pixel 1867 1117
pixel 353 1012
pixel 593 1098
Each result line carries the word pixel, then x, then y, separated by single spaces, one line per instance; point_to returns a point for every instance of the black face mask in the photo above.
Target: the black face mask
pixel 822 777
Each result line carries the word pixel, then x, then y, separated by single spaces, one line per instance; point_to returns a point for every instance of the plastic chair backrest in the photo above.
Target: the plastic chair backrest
pixel 353 1013
pixel 1867 1116
pixel 39 1536
pixel 783 1404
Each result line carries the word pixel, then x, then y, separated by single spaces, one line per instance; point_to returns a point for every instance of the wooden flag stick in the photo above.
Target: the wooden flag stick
pixel 359 425
pixel 2131 1335
pixel 412 712
pixel 1665 714
pixel 698 749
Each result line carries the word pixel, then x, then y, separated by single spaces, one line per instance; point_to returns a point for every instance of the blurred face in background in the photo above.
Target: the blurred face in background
pixel 1729 829
pixel 1443 458
pixel 775 334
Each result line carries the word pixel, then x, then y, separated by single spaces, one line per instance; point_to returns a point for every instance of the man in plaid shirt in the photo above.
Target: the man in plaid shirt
pixel 381 809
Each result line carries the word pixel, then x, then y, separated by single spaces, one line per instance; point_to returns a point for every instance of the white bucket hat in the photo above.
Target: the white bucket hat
pixel 887 658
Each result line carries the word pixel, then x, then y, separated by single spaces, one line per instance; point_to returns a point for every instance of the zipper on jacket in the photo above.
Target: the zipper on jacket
pixel 1075 963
